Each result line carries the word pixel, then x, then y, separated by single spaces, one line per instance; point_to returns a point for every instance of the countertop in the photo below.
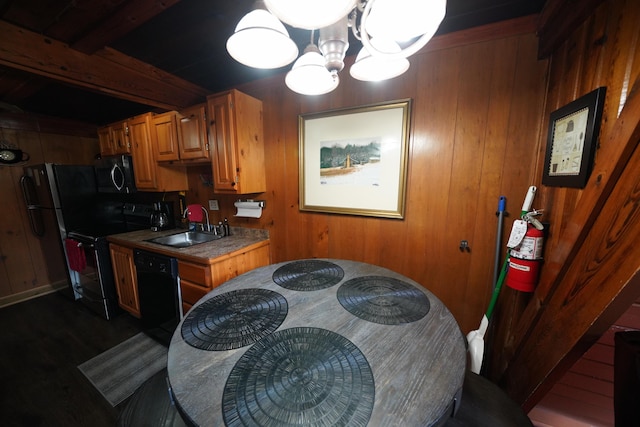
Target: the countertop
pixel 418 365
pixel 240 240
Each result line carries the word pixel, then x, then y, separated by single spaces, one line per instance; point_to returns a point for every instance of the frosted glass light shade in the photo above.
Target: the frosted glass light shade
pixel 309 76
pixel 403 20
pixel 374 68
pixel 310 14
pixel 261 41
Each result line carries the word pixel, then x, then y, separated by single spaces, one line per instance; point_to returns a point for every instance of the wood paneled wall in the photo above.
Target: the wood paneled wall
pixel 23 271
pixel 589 277
pixel 478 98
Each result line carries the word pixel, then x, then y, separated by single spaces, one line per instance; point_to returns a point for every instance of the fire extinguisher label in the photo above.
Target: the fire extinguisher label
pixel 518 231
pixel 529 248
pixel 517 266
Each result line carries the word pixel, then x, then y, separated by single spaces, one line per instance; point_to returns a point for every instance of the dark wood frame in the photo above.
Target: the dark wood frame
pixel 572 138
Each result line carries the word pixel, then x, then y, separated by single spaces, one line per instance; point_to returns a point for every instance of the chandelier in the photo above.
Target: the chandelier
pixel 390 32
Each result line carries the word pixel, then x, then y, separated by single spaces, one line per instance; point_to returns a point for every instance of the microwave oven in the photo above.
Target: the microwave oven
pixel 114 174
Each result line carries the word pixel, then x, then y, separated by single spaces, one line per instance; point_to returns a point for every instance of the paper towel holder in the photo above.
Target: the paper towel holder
pixel 260 203
pixel 249 208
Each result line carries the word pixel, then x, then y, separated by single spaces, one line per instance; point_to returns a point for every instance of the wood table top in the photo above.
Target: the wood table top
pixel 395 357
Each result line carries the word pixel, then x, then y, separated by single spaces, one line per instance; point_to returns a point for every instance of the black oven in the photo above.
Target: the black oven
pixel 88 257
pixel 91 273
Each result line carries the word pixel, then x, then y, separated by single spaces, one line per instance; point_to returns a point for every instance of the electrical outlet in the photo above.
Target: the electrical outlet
pixel 213 205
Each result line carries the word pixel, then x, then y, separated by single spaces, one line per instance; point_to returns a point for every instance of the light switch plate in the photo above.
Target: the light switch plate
pixel 213 205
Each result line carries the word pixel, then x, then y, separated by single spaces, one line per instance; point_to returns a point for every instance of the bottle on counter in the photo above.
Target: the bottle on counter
pixel 227 229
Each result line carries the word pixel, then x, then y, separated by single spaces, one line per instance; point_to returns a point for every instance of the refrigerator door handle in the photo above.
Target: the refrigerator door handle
pixel 33 211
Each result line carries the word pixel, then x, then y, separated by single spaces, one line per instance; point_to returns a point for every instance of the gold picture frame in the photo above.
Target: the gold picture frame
pixel 354 160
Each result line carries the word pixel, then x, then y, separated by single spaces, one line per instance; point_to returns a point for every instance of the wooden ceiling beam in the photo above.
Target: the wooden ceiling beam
pixel 124 20
pixel 108 71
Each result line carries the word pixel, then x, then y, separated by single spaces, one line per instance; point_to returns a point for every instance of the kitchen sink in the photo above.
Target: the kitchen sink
pixel 185 239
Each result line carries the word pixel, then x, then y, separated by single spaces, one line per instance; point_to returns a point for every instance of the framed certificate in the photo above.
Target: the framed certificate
pixel 572 141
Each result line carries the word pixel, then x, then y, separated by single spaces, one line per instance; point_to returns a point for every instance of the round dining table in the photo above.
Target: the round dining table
pixel 318 342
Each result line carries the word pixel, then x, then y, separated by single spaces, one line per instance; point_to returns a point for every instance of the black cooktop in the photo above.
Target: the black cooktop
pixel 300 376
pixel 234 319
pixel 308 275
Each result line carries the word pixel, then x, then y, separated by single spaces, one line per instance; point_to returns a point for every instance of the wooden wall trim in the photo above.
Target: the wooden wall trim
pixel 484 33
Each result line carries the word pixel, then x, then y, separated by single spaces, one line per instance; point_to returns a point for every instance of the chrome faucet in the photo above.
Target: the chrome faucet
pixel 206 215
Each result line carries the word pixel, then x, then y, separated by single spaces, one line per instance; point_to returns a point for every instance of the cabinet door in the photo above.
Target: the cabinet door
pixel 222 143
pixel 124 272
pixel 105 141
pixel 237 143
pixel 144 164
pixel 165 130
pixel 120 138
pixel 194 144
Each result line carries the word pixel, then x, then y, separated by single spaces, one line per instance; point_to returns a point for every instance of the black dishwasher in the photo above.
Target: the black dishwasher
pixel 159 294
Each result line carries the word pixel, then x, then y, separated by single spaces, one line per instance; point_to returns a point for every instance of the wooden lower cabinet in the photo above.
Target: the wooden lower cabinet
pixel 124 273
pixel 196 280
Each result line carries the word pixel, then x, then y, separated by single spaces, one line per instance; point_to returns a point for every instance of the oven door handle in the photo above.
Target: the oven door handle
pixel 86 245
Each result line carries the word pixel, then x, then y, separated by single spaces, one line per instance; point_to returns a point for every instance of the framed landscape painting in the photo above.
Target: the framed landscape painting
pixel 354 160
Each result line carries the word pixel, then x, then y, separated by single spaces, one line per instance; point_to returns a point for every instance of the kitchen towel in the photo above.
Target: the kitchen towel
pixel 75 255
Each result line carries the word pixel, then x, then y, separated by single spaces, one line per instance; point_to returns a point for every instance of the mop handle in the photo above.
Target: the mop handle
pixel 496 290
pixel 501 208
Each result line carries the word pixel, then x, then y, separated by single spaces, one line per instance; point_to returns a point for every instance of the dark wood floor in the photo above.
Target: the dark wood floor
pixel 42 342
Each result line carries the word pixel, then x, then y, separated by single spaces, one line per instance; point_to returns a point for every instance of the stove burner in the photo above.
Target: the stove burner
pixel 300 377
pixel 234 319
pixel 383 300
pixel 308 275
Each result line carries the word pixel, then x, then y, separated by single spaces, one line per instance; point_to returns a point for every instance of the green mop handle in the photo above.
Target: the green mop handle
pixel 496 289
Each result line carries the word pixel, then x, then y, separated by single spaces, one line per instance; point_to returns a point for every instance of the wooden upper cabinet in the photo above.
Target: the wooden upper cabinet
pixel 120 136
pixel 144 167
pixel 237 143
pixel 181 136
pixel 165 127
pixel 114 139
pixel 149 175
pixel 105 141
pixel 192 128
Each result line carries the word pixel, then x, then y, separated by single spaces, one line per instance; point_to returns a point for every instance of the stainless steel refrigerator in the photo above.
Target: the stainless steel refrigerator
pixel 59 199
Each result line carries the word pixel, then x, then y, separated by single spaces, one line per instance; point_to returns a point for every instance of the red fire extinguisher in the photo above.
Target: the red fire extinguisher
pixel 525 243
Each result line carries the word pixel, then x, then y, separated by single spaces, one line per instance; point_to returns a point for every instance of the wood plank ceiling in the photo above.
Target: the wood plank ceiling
pixel 100 61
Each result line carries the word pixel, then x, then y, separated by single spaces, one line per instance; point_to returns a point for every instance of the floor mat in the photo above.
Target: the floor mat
pixel 119 371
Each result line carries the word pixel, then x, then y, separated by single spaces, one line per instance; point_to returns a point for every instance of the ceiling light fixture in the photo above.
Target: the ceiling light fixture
pixel 390 31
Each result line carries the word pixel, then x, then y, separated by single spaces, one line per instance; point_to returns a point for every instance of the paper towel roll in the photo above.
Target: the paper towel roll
pixel 249 209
